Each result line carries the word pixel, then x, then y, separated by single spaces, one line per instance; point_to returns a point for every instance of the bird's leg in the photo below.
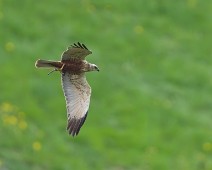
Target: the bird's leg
pixel 53 71
pixel 57 69
pixel 61 69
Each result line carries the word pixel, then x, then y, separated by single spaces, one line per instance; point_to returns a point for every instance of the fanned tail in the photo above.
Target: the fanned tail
pixel 48 63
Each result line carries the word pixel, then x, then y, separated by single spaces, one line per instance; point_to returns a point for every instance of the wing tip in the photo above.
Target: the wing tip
pixel 74 125
pixel 79 45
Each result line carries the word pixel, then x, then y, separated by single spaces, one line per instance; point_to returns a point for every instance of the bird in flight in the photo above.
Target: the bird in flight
pixel 76 89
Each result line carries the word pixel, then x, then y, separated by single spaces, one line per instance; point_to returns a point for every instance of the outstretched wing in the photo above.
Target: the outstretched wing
pixel 77 94
pixel 79 51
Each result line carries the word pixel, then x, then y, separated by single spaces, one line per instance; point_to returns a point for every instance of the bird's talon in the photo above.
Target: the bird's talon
pixel 62 67
pixel 52 71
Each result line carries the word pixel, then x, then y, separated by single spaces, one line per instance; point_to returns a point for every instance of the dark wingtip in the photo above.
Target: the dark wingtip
pixel 79 45
pixel 75 45
pixel 84 46
pixel 74 125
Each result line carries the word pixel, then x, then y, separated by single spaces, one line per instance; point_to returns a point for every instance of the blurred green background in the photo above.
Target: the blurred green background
pixel 151 103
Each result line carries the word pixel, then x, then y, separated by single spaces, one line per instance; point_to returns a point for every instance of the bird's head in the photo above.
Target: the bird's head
pixel 93 67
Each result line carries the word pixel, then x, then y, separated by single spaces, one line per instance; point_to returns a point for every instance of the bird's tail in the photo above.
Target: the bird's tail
pixel 48 64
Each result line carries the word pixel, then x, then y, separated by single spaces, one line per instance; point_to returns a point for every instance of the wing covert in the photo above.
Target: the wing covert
pixel 76 51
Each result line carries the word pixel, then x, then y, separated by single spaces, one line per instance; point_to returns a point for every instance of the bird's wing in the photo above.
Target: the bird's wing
pixel 77 94
pixel 76 51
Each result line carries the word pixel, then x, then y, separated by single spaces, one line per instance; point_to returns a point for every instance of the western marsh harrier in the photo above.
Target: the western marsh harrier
pixel 75 86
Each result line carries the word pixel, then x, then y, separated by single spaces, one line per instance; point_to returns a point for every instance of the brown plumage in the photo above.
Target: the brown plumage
pixel 75 86
pixel 46 63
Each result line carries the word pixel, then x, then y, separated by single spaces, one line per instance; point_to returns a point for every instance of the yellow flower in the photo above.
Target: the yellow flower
pixel 22 124
pixel 9 46
pixel 36 146
pixel 6 107
pixel 207 146
pixel 192 3
pixel 108 7
pixel 9 120
pixel 138 29
pixel 91 8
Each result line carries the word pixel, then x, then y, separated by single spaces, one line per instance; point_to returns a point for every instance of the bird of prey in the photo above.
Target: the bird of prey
pixel 76 89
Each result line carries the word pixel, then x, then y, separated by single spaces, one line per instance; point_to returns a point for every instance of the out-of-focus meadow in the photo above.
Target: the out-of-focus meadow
pixel 151 106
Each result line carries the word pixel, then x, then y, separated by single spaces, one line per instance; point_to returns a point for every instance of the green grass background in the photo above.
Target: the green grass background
pixel 151 102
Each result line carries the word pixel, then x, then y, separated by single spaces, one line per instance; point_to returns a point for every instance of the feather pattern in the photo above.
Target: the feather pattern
pixel 77 94
pixel 76 89
pixel 76 51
